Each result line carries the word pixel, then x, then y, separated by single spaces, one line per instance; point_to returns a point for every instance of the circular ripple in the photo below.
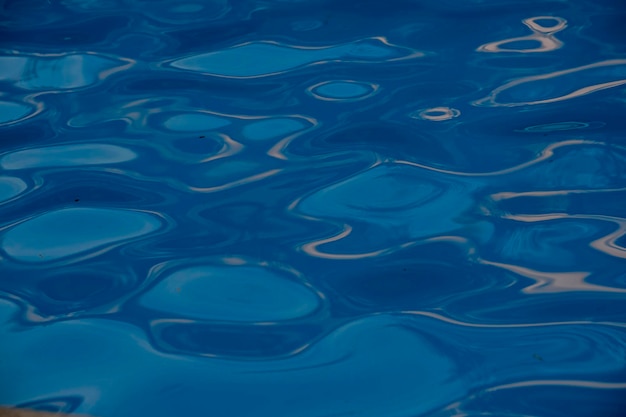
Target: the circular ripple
pixel 546 24
pixel 436 114
pixel 342 90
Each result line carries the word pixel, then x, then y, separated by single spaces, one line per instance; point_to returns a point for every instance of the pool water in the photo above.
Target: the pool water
pixel 313 208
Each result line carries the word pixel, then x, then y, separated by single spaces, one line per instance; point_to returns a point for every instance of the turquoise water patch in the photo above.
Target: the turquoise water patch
pixel 195 122
pixel 272 128
pixel 242 61
pixel 66 155
pixel 10 187
pixel 231 293
pixel 53 72
pixel 11 112
pixel 69 232
pixel 558 86
pixel 396 196
pixel 342 90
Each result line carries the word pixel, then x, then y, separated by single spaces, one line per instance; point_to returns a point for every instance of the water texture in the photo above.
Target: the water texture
pixel 313 208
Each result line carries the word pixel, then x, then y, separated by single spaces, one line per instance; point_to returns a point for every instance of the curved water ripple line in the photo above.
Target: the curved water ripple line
pixel 236 183
pixel 541 34
pixel 508 195
pixel 17 112
pixel 545 154
pixel 607 244
pixel 553 282
pixel 609 74
pixel 229 148
pixel 313 248
pixel 560 382
pixel 447 319
pixel 242 61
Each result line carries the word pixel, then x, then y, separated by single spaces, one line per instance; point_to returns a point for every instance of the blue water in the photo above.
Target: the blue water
pixel 313 208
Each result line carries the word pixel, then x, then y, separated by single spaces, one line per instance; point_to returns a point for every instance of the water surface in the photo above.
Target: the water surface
pixel 313 208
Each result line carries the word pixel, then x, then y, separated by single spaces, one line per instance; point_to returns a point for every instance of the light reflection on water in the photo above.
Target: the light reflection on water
pixel 313 209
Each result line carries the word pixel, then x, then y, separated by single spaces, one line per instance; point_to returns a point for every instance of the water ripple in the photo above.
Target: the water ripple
pixel 343 91
pixel 60 234
pixel 11 187
pixel 437 114
pixel 313 208
pixel 379 199
pixel 543 28
pixel 558 86
pixel 13 112
pixel 66 155
pixel 242 292
pixel 59 72
pixel 241 61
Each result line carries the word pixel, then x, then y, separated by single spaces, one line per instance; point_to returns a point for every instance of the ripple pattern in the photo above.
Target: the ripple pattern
pixel 313 208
